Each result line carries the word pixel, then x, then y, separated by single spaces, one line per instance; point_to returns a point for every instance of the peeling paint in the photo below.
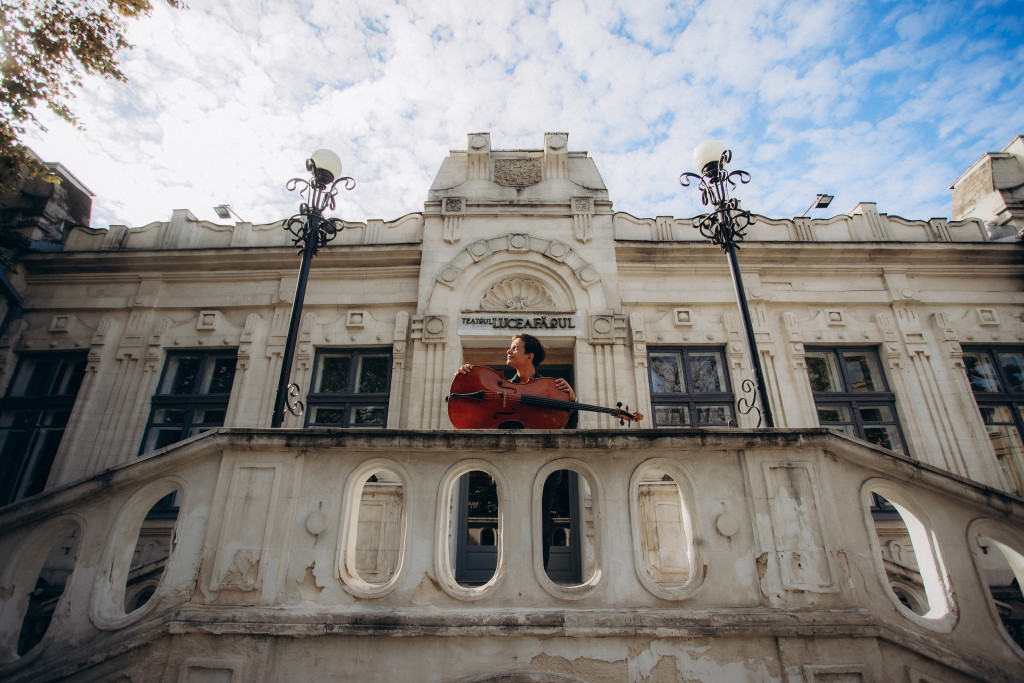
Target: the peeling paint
pixel 425 590
pixel 583 667
pixel 308 587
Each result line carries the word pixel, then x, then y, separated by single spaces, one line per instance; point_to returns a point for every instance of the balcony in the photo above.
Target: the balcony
pixel 705 554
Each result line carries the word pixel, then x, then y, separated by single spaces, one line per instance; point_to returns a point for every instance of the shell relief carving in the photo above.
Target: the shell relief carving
pixel 517 294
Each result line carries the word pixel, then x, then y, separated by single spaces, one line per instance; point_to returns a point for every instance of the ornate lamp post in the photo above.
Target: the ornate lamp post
pixel 310 230
pixel 726 226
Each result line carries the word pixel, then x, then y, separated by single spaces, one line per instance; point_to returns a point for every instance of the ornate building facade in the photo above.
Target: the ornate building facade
pixel 156 528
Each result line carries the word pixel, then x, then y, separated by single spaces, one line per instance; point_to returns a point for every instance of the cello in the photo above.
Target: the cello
pixel 484 399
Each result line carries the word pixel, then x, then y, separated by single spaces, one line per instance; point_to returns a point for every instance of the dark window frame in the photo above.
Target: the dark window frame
pixel 189 402
pixel 855 400
pixel 1005 397
pixel 28 413
pixel 350 399
pixel 858 399
pixel 691 399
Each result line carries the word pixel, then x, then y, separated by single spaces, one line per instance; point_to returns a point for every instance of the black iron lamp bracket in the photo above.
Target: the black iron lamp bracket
pixel 727 225
pixel 309 229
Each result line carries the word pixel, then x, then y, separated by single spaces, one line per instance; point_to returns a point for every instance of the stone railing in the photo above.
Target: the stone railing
pixel 716 553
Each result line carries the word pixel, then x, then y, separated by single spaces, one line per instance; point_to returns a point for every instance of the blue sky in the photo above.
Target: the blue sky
pixel 870 101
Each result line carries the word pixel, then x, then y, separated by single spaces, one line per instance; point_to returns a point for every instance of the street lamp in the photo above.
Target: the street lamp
pixel 726 226
pixel 310 230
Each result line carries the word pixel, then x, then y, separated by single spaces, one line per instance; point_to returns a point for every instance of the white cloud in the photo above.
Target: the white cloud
pixel 869 101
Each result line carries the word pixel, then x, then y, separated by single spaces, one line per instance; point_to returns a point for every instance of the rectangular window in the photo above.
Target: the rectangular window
pixel 850 394
pixel 689 387
pixel 997 379
pixel 350 388
pixel 192 396
pixel 33 415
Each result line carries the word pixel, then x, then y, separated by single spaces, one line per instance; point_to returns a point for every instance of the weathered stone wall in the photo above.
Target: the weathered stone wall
pixel 788 577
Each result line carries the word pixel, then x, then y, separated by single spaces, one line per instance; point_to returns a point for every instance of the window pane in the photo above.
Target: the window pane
pixel 823 371
pixel 885 436
pixel 481 509
pixel 1009 451
pixel 713 415
pixel 707 372
pixel 182 374
pixel 981 372
pixel 166 416
pixel 334 373
pixel 329 416
pixel 33 377
pixel 996 414
pixel 69 378
pixel 833 413
pixel 672 416
pixel 862 369
pixel 18 418
pixel 41 458
pixel 373 373
pixel 221 376
pixel 367 416
pixel 209 417
pixel 877 414
pixel 666 377
pixel 1012 364
pixel 158 438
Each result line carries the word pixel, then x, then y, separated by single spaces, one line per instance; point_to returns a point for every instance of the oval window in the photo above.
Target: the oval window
pixel 909 558
pixel 1002 569
pixel 152 550
pixel 477 528
pixel 49 587
pixel 567 532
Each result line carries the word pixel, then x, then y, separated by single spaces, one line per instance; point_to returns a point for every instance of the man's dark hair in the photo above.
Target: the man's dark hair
pixel 532 345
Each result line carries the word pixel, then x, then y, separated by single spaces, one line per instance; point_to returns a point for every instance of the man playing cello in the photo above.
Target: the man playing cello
pixel 524 355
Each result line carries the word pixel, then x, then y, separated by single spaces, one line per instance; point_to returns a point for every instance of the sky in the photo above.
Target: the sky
pixel 871 101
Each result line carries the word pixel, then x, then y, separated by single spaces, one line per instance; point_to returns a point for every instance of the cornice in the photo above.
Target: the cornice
pixel 220 260
pixel 945 257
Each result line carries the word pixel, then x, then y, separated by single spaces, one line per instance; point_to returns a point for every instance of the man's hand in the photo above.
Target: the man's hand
pixel 564 386
pixel 464 370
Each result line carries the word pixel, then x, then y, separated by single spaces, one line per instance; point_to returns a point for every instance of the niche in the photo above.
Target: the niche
pixel 665 548
pixel 378 530
pixel 664 529
pixel 373 529
pixel 49 586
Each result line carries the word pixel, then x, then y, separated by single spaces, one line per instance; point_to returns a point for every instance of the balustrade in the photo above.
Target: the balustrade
pixel 680 534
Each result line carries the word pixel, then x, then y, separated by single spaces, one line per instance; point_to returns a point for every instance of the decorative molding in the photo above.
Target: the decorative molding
pixel 208 320
pixel 356 319
pixel 453 210
pixel 682 317
pixel 518 172
pixel 987 317
pixel 517 294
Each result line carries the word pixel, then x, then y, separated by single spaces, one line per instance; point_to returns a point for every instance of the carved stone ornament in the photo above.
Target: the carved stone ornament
pixel 517 172
pixel 517 294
